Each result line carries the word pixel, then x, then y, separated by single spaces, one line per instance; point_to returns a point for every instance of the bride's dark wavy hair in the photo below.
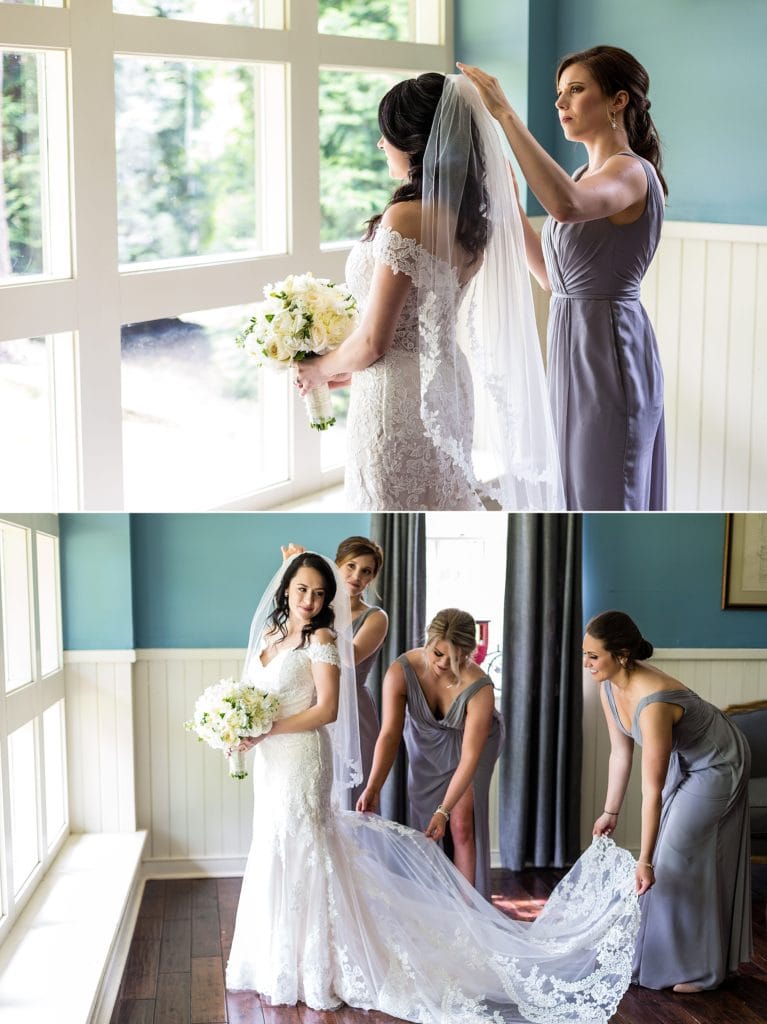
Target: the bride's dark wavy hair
pixel 615 70
pixel 325 617
pixel 405 118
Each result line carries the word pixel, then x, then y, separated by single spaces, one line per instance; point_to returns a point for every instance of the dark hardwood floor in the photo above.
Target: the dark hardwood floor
pixel 175 969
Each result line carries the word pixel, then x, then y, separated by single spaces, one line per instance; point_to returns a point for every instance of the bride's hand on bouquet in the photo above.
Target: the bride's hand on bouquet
pixel 310 374
pixel 368 801
pixel 247 742
pixel 488 88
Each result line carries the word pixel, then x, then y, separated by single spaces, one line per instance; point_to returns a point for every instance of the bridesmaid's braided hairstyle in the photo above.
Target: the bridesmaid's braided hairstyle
pixel 621 637
pixel 324 618
pixel 614 70
pixel 405 117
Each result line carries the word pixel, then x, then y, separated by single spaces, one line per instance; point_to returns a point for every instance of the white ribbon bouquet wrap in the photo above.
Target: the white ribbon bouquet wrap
pixel 228 712
pixel 300 317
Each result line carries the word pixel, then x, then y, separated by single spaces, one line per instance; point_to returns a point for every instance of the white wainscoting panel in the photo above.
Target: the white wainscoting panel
pixel 720 676
pixel 706 295
pixel 133 765
pixel 100 737
pixel 199 819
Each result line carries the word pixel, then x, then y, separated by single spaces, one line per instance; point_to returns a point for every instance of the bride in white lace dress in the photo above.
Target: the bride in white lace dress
pixel 448 402
pixel 339 907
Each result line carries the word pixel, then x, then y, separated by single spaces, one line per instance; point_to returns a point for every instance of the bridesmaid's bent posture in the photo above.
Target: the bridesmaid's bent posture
pixel 693 871
pixel 444 705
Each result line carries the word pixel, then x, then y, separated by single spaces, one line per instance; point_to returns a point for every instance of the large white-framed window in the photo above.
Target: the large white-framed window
pixel 34 817
pixel 163 168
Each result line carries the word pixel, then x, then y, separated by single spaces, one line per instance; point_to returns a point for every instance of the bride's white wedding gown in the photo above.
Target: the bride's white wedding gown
pixel 344 907
pixel 392 462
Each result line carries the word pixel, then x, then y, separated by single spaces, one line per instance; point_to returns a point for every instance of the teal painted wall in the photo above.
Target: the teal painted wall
pixel 178 580
pixel 665 570
pixel 97 610
pixel 704 58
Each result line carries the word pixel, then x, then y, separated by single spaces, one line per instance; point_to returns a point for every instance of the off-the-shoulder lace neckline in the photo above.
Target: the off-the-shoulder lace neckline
pixel 417 245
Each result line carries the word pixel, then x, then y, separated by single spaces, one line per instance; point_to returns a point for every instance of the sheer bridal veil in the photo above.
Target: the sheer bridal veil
pixel 468 193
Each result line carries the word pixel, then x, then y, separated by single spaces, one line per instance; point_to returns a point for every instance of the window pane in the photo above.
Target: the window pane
pixel 354 181
pixel 26 462
pixel 48 602
pixel 372 19
pixel 456 544
pixel 34 186
pixel 256 13
pixel 333 441
pixel 202 425
pixel 55 771
pixel 14 580
pixel 21 777
pixel 201 162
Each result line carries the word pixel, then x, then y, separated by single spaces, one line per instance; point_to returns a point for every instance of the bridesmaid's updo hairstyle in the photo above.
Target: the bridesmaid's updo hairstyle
pixel 452 626
pixel 325 617
pixel 405 117
pixel 620 636
pixel 614 70
pixel 356 547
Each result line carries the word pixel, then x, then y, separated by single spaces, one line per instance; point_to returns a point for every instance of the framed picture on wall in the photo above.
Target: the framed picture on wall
pixel 744 581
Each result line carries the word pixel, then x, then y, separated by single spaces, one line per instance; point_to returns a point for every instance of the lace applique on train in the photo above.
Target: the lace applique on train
pixel 392 460
pixel 343 907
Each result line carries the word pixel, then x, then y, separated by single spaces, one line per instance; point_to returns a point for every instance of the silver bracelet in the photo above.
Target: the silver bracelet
pixel 445 813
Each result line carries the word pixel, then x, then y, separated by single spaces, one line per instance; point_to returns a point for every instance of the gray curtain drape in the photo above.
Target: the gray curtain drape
pixel 542 696
pixel 402 590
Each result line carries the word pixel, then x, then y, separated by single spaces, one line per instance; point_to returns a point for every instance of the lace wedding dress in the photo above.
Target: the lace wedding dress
pixel 344 907
pixel 392 462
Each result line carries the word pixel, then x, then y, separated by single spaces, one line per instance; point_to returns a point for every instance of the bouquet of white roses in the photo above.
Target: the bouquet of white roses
pixel 226 713
pixel 299 317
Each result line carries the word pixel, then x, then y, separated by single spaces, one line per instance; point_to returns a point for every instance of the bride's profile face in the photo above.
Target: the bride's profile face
pixel 397 159
pixel 306 594
pixel 357 573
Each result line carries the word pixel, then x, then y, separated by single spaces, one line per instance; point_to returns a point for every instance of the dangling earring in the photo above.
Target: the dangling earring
pixel 624 662
pixel 613 122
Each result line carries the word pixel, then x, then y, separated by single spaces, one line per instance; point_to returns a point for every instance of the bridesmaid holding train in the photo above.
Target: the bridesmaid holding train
pixel 693 871
pixel 444 705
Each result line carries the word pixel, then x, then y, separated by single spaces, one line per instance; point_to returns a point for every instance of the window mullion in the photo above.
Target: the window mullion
pixel 95 236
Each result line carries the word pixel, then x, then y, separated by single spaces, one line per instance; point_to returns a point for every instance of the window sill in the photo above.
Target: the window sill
pixel 64 957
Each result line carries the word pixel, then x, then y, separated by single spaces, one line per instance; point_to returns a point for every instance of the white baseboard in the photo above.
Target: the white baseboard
pixel 194 867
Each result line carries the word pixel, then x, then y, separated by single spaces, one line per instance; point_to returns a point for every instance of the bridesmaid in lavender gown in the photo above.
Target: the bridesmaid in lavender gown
pixel 444 705
pixel 604 371
pixel 360 560
pixel 693 871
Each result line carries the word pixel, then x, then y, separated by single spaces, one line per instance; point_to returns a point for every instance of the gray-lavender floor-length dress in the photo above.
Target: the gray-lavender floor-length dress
pixel 604 371
pixel 434 750
pixel 696 919
pixel 368 715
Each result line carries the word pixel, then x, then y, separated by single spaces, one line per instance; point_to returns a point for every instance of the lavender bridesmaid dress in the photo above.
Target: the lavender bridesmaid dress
pixel 696 919
pixel 369 724
pixel 605 377
pixel 434 750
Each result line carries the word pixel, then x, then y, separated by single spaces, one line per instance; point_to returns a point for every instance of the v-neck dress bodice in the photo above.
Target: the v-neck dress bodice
pixel 434 750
